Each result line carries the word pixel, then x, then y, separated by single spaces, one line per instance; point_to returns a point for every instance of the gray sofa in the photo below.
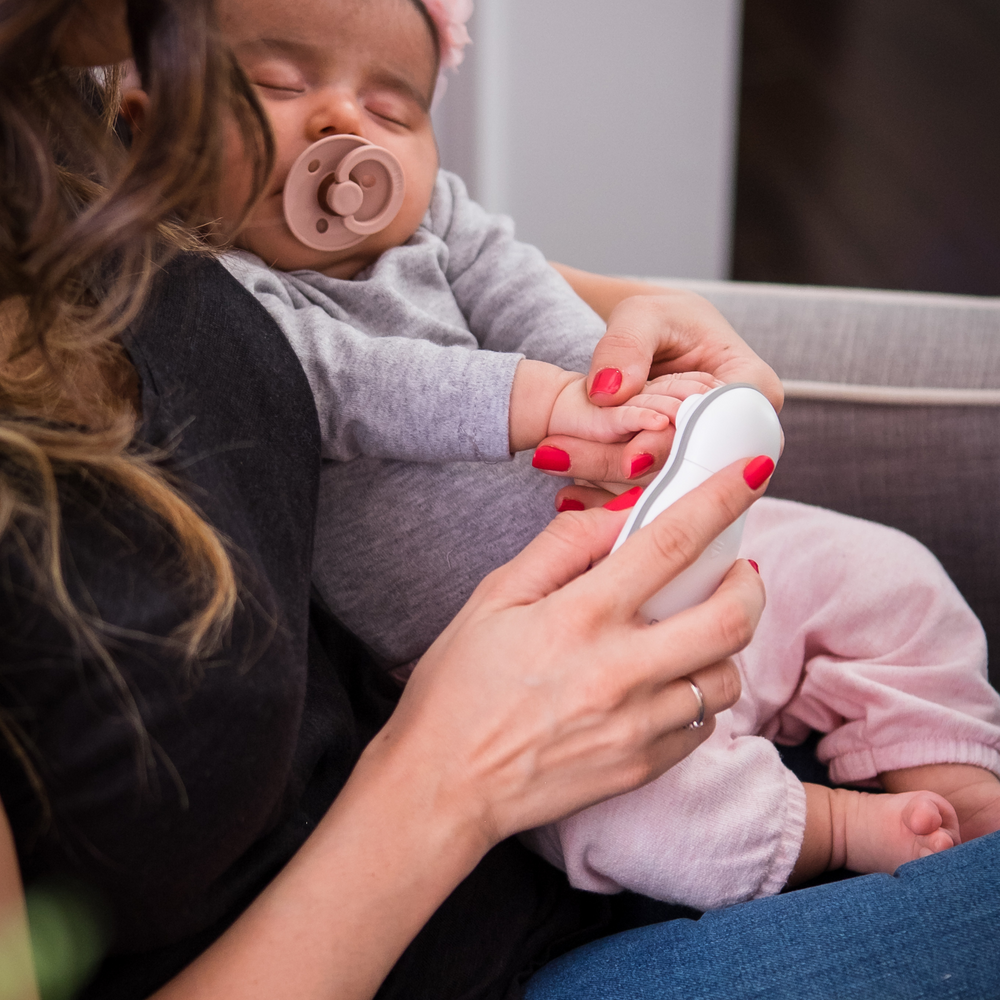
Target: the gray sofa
pixel 892 413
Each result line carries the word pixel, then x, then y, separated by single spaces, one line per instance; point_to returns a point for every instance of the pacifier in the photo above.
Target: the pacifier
pixel 341 190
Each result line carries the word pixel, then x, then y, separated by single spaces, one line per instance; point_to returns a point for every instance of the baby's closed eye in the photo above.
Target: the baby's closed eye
pixel 393 107
pixel 394 118
pixel 275 74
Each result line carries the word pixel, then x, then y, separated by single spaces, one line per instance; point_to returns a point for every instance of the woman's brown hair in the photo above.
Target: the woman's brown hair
pixel 86 221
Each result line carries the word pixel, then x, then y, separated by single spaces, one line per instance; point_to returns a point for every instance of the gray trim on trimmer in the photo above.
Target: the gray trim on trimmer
pixel 649 497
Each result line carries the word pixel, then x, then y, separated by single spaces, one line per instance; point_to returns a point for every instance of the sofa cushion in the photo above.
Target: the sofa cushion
pixel 931 470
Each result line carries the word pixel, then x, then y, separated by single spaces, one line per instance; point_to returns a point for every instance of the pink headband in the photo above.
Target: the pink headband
pixel 449 17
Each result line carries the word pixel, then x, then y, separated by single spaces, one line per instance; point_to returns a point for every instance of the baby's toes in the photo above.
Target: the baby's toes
pixel 933 817
pixel 922 814
pixel 934 843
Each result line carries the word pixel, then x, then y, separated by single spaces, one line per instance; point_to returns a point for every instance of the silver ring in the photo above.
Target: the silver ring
pixel 700 721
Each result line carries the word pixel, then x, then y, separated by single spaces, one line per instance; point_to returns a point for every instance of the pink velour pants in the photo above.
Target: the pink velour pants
pixel 865 639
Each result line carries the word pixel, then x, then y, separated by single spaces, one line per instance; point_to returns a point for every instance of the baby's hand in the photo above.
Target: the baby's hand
pixel 575 416
pixel 630 441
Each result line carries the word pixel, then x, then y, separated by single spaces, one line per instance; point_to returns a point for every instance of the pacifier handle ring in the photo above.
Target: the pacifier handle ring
pixel 342 175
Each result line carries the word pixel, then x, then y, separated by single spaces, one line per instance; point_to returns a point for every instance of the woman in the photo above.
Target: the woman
pixel 234 780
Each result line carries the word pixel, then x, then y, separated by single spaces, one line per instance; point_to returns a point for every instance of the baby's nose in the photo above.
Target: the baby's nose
pixel 337 114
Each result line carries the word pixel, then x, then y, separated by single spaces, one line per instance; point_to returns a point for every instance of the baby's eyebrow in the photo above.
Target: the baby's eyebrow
pixel 302 51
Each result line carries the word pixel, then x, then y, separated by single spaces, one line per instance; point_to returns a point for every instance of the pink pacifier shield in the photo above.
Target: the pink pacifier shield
pixel 341 190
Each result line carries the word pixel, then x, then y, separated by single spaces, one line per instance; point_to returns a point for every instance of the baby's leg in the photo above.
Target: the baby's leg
pixel 867 640
pixel 871 833
pixel 723 826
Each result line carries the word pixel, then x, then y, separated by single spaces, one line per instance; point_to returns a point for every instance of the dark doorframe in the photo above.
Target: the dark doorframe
pixel 869 150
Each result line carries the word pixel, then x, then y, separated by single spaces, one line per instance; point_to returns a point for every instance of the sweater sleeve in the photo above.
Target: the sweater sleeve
pixel 512 299
pixel 394 398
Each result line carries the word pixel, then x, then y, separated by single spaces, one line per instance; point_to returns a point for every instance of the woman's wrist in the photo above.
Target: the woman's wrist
pixel 436 798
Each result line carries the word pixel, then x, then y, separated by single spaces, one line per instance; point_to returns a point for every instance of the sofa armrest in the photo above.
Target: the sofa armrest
pixel 916 460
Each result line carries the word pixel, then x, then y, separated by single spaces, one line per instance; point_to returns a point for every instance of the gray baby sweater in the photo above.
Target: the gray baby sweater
pixel 411 365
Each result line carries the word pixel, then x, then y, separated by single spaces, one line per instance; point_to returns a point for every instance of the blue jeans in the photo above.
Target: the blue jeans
pixel 930 930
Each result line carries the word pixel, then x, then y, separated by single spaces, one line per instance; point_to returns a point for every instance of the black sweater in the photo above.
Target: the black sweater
pixel 247 751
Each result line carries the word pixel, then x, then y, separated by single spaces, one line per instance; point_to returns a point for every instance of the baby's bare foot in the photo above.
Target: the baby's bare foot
pixel 973 791
pixel 882 832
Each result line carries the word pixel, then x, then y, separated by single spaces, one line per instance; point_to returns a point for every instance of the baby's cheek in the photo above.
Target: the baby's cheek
pixel 234 195
pixel 415 204
pixel 420 189
pixel 267 236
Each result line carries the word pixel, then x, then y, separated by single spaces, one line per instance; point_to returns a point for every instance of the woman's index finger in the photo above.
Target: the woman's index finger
pixel 671 542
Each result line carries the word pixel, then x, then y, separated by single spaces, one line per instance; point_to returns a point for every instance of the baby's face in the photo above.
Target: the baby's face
pixel 330 67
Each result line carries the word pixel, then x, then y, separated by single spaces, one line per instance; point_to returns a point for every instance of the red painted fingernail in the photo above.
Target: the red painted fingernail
pixel 625 500
pixel 569 504
pixel 757 471
pixel 607 381
pixel 640 464
pixel 756 568
pixel 550 459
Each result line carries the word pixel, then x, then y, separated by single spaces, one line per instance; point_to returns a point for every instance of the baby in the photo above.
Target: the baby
pixel 438 347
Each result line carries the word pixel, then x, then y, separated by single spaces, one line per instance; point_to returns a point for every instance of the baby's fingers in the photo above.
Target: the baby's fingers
pixel 615 425
pixel 667 405
pixel 622 421
pixel 681 386
pixel 704 379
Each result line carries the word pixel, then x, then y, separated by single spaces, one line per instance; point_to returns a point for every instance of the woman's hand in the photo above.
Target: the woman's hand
pixel 547 693
pixel 664 330
pixel 661 334
pixel 652 331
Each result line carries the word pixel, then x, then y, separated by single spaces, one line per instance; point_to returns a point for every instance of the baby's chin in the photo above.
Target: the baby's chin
pixel 287 254
pixel 269 237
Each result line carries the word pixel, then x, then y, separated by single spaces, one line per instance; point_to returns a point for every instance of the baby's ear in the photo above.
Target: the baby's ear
pixel 135 104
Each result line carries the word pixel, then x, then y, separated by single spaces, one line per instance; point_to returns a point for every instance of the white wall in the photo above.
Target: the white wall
pixel 606 128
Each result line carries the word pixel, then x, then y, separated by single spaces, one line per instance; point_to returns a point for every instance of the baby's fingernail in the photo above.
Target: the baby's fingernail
pixel 718 382
pixel 570 504
pixel 550 459
pixel 606 382
pixel 625 500
pixel 757 470
pixel 756 568
pixel 640 464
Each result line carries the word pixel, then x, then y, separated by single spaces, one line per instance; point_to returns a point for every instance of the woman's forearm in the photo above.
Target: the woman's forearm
pixel 602 293
pixel 335 920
